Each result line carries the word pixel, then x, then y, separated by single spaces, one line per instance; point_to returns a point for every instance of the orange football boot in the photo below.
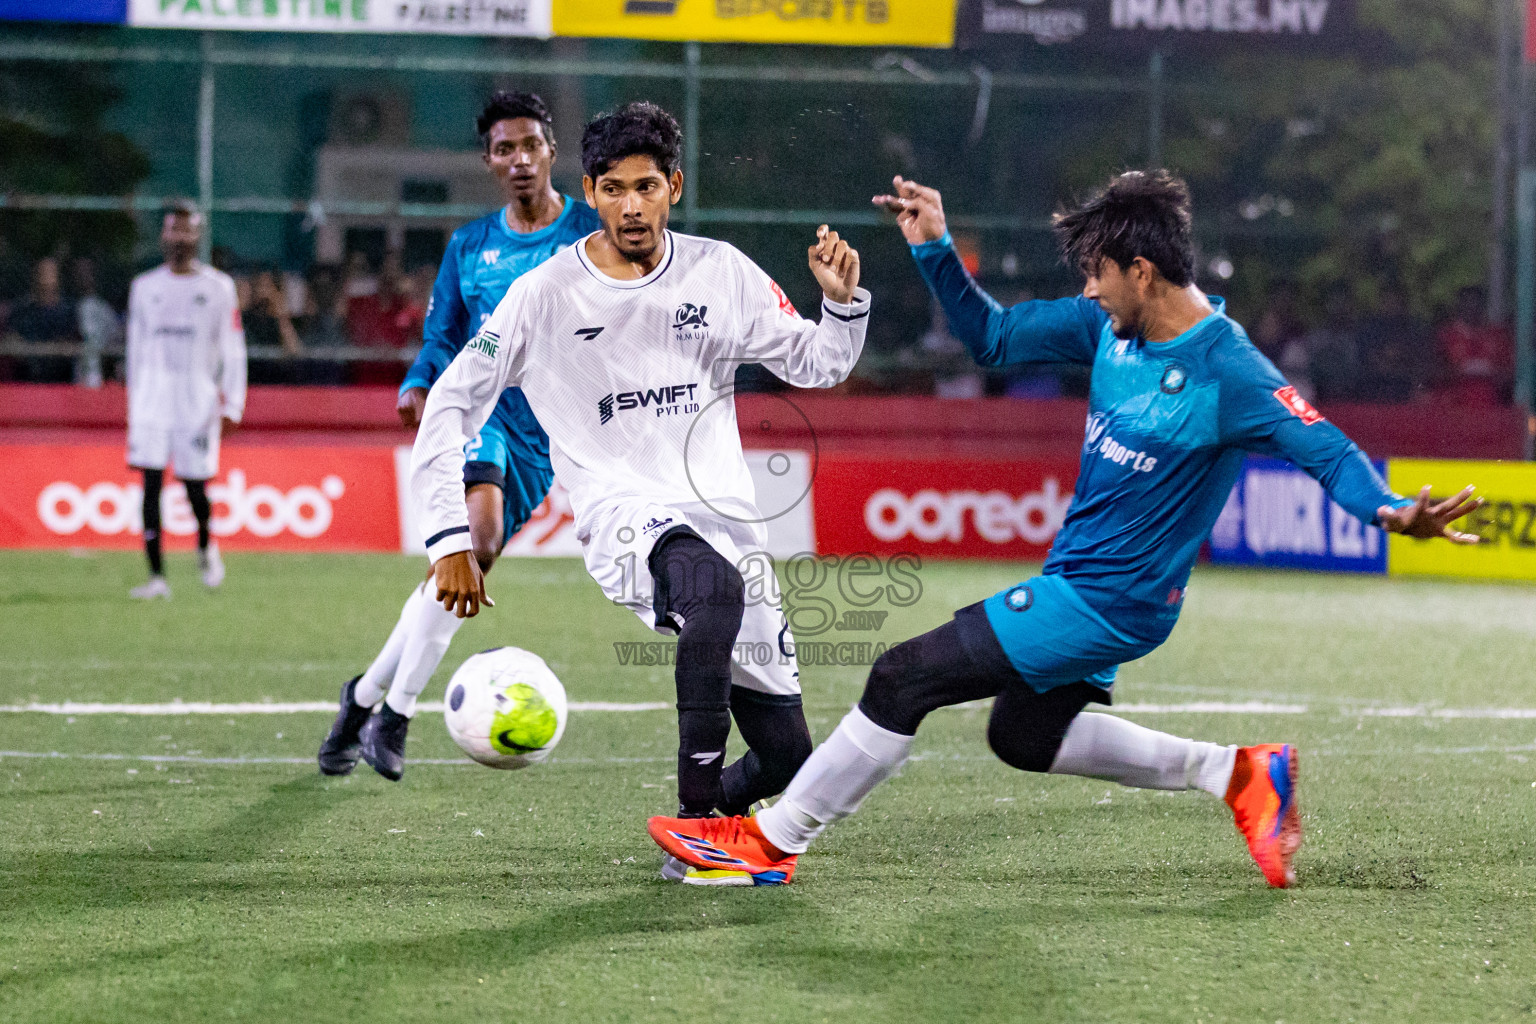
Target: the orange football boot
pixel 1262 795
pixel 724 844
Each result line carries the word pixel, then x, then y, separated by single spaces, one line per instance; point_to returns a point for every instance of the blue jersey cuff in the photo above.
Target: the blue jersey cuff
pixel 946 241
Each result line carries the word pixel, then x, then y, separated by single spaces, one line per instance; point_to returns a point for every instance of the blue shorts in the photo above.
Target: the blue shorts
pixel 1054 638
pixel 495 456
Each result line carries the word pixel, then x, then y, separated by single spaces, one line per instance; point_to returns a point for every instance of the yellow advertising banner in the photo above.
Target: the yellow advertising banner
pixel 830 22
pixel 1506 523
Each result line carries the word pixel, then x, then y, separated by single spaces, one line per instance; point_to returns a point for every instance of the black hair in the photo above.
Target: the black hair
pixel 505 105
pixel 1139 213
pixel 639 128
pixel 181 208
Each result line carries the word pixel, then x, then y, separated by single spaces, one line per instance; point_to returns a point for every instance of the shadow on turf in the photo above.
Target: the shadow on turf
pixel 185 866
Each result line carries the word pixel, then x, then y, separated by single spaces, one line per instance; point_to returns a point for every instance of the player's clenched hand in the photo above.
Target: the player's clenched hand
pixel 1421 519
pixel 410 406
pixel 919 211
pixel 461 584
pixel 835 264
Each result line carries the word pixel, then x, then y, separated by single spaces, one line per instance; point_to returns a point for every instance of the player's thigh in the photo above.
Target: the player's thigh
pixel 195 452
pixel 1053 638
pixel 957 662
pixel 149 447
pixel 764 658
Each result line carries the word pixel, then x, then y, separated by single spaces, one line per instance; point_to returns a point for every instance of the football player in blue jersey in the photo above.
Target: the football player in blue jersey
pixel 1178 395
pixel 507 471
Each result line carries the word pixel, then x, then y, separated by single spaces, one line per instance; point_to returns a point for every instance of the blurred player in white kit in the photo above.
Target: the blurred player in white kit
pixel 186 384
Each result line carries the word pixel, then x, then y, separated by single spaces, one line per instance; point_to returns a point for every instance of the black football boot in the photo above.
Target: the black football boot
pixel 384 743
pixel 338 754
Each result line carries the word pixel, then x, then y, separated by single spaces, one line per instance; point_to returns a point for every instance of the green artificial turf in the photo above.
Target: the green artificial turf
pixel 171 887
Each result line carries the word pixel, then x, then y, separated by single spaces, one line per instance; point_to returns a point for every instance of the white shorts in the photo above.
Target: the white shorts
pixel 616 554
pixel 194 453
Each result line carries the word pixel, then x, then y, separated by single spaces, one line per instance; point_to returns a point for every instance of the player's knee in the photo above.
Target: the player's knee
pixel 892 698
pixel 1023 745
pixel 485 540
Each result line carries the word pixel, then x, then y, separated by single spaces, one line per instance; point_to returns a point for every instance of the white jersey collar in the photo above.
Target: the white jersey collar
pixel 641 282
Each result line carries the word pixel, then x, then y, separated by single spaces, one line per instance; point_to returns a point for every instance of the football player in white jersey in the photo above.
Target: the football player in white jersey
pixel 186 384
pixel 626 346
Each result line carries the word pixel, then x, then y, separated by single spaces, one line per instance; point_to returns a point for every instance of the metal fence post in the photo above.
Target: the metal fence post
pixel 691 57
pixel 205 145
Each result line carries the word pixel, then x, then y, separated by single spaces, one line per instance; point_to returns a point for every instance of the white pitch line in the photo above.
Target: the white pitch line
pixel 195 707
pixel 1199 707
pixel 1211 707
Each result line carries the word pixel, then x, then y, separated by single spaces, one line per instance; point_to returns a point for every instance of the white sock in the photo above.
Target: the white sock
pixel 1110 748
pixel 431 632
pixel 857 757
pixel 375 682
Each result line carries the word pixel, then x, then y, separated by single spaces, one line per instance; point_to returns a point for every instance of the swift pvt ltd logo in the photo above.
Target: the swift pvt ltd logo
pixel 673 400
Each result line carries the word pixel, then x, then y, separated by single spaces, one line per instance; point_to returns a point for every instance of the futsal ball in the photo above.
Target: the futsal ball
pixel 505 708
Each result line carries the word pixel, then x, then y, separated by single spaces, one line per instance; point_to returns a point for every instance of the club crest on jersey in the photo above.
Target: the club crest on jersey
pixel 485 343
pixel 689 323
pixel 490 256
pixel 1174 379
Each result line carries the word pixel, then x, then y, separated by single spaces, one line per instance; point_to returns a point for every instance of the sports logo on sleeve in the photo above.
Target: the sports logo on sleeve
pixel 1298 406
pixel 785 306
pixel 485 343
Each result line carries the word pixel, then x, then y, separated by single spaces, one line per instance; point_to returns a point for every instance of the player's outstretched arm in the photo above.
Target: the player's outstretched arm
pixel 457 407
pixel 1064 331
pixel 444 333
pixel 1425 520
pixel 798 351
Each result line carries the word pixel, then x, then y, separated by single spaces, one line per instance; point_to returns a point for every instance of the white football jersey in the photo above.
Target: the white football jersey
pixel 634 381
pixel 186 349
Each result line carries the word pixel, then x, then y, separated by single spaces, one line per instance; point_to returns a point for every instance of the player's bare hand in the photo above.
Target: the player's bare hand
pixel 919 210
pixel 1422 519
pixel 835 264
pixel 461 585
pixel 410 407
pixel 227 426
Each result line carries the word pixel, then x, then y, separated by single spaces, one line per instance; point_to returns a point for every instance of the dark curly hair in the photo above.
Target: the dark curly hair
pixel 505 105
pixel 1139 213
pixel 640 128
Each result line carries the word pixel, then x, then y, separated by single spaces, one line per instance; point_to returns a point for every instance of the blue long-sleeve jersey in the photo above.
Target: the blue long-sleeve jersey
pixel 1168 424
pixel 482 260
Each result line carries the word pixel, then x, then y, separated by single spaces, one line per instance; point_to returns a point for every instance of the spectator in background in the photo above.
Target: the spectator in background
pixel 1477 356
pixel 1393 346
pixel 45 316
pixel 1333 351
pixel 324 322
pixel 1281 335
pixel 265 311
pixel 390 318
pixel 99 325
pixel 359 279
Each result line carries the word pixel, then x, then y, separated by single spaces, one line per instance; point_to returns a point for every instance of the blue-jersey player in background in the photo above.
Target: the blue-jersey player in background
pixel 1178 395
pixel 507 471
